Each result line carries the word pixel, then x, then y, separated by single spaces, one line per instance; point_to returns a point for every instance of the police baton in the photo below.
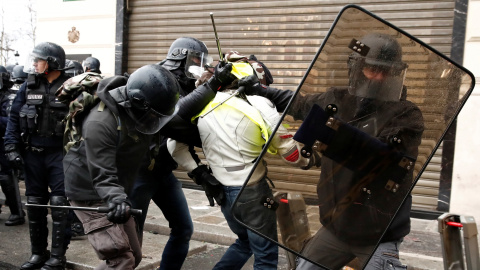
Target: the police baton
pixel 216 38
pixel 101 209
pixel 237 92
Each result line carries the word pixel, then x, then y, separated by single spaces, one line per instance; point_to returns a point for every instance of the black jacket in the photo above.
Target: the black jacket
pixel 103 166
pixel 346 208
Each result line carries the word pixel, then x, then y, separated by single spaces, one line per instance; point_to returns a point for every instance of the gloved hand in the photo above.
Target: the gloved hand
pixel 252 86
pixel 222 76
pixel 119 211
pixel 314 160
pixel 213 188
pixel 13 155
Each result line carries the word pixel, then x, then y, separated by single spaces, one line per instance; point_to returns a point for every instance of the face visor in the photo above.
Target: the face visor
pixel 31 64
pixel 195 64
pixel 148 120
pixel 376 79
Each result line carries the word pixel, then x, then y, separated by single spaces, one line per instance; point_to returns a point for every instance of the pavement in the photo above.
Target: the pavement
pixel 421 249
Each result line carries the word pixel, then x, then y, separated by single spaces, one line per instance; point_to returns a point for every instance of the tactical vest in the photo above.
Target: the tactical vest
pixel 43 113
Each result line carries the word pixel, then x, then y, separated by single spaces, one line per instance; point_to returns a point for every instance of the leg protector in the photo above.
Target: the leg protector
pixel 37 221
pixel 60 223
pixel 12 195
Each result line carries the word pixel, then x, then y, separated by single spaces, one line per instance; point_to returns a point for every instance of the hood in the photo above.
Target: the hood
pixel 108 84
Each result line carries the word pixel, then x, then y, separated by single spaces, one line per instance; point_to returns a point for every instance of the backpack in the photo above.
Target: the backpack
pixel 79 93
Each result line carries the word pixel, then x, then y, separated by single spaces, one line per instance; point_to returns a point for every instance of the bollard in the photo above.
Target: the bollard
pixel 292 222
pixel 470 242
pixel 450 227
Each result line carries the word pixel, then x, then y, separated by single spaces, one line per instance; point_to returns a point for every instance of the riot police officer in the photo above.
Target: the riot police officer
pixel 73 68
pixel 355 204
pixel 101 168
pixel 34 136
pixel 91 64
pixel 8 183
pixel 18 76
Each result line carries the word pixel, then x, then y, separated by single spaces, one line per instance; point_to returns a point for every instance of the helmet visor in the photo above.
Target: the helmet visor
pixel 375 79
pixel 152 121
pixel 195 63
pixel 35 64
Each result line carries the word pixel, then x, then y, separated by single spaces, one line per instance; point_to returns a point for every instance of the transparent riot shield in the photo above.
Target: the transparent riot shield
pixel 374 105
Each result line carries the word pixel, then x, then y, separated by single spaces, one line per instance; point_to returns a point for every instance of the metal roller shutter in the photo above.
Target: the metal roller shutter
pixel 285 35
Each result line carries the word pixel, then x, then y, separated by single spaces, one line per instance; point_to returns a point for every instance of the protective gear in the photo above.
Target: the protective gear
pixel 43 113
pixel 190 52
pixel 57 259
pixel 222 76
pixel 18 75
pixel 4 78
pixel 37 219
pixel 13 155
pixel 47 51
pixel 119 211
pixel 202 175
pixel 91 64
pixel 376 69
pixel 10 68
pixel 150 97
pixel 12 195
pixel 73 68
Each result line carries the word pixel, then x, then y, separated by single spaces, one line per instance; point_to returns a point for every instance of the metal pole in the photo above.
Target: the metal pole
pixel 102 209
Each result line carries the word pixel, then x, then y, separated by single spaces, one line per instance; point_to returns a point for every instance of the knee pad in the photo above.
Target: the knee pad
pixel 59 214
pixel 36 214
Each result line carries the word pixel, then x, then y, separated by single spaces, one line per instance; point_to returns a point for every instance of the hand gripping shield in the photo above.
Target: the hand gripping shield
pixel 375 103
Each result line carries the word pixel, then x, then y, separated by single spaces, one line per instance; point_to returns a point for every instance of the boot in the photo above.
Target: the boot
pixel 12 195
pixel 37 221
pixel 60 241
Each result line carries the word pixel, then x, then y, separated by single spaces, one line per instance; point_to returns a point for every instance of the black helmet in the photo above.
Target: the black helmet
pixel 4 78
pixel 376 69
pixel 48 51
pixel 10 68
pixel 73 68
pixel 91 64
pixel 152 92
pixel 189 52
pixel 18 76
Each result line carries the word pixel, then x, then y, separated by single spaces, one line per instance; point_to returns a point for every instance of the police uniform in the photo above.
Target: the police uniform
pixel 36 123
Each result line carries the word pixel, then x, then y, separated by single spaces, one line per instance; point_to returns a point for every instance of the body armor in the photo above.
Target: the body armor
pixel 43 113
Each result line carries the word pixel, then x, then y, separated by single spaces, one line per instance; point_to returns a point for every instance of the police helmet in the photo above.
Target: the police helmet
pixel 376 69
pixel 91 64
pixel 10 68
pixel 50 52
pixel 4 78
pixel 18 76
pixel 153 92
pixel 190 53
pixel 73 68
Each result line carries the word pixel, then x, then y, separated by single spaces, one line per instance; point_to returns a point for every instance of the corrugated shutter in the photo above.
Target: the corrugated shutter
pixel 285 35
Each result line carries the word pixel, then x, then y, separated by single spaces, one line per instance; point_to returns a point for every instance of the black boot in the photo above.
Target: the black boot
pixel 37 221
pixel 60 240
pixel 12 195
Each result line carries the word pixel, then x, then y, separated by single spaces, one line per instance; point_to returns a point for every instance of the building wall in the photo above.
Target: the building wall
pixel 95 20
pixel 465 197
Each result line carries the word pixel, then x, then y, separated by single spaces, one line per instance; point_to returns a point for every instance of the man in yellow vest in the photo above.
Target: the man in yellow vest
pixel 233 134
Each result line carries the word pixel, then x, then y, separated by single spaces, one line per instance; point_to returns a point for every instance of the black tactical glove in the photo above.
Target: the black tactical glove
pixel 119 211
pixel 222 76
pixel 213 189
pixel 13 155
pixel 314 160
pixel 252 86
